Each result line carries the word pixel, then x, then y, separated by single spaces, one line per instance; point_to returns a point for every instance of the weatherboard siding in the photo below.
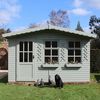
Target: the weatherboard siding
pixel 81 74
pixel 67 74
pixel 11 60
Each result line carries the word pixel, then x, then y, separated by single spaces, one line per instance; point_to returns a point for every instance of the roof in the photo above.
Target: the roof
pixel 49 27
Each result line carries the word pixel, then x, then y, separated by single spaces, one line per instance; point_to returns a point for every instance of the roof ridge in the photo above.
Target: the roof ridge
pixel 44 27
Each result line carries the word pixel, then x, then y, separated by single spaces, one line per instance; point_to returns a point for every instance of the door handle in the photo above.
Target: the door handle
pixel 33 56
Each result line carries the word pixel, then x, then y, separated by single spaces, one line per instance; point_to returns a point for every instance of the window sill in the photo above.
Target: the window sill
pixel 73 65
pixel 50 65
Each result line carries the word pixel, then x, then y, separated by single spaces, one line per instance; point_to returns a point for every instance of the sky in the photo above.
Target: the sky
pixel 19 14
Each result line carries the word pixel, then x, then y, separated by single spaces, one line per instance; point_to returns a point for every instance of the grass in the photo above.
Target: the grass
pixel 89 91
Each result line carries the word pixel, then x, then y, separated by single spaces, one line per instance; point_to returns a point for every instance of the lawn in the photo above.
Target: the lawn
pixel 89 91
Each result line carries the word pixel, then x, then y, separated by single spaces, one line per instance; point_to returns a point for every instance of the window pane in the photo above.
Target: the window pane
pixel 54 44
pixel 71 44
pixel 25 46
pixel 25 57
pixel 77 59
pixel 21 57
pixel 77 44
pixel 21 46
pixel 70 52
pixel 47 44
pixel 55 52
pixel 77 52
pixel 47 60
pixel 54 60
pixel 30 46
pixel 47 52
pixel 30 57
pixel 71 60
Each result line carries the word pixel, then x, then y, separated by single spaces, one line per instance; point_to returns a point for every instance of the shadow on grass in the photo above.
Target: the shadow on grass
pixel 4 79
pixel 97 77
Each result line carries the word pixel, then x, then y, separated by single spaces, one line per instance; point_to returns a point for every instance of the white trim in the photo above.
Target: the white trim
pixel 80 48
pixel 73 65
pixel 3 70
pixel 26 31
pixel 25 63
pixel 51 48
pixel 27 51
pixel 50 65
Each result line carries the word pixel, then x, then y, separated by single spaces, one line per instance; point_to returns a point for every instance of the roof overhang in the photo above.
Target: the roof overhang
pixel 49 27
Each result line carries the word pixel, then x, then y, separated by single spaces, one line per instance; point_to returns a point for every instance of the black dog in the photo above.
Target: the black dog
pixel 58 81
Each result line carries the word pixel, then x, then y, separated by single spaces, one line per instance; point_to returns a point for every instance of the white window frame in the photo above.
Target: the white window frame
pixel 51 48
pixel 74 48
pixel 28 51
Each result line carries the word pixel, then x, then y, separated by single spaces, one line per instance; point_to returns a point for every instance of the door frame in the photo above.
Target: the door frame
pixel 24 63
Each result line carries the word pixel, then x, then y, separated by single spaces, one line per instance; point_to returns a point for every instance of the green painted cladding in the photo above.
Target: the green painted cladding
pixel 37 69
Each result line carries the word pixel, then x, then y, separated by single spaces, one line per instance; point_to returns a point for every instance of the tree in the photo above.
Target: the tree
pixel 59 18
pixel 79 28
pixel 2 31
pixel 94 24
pixel 8 30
